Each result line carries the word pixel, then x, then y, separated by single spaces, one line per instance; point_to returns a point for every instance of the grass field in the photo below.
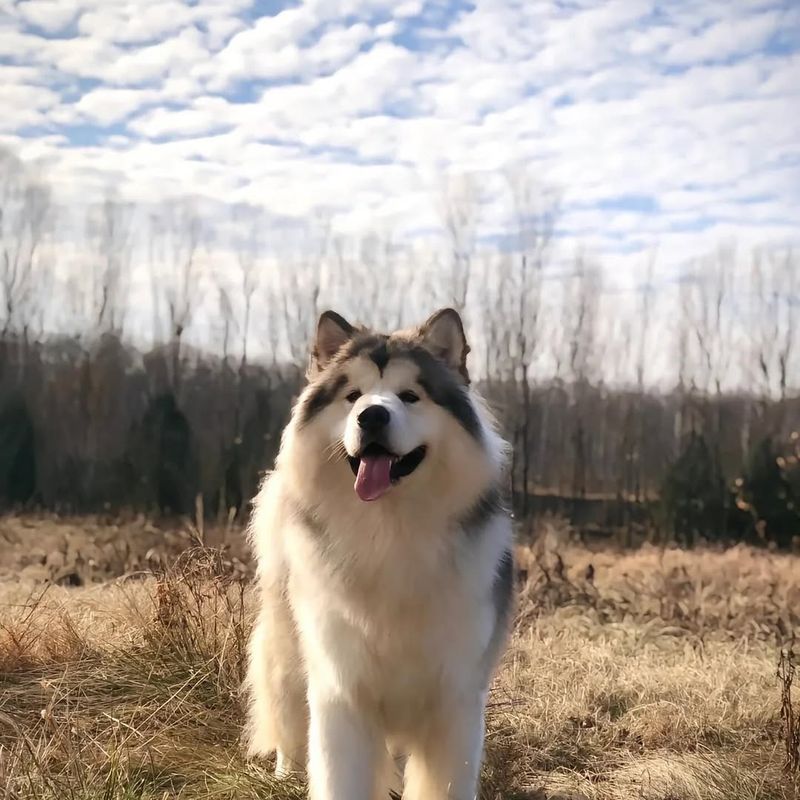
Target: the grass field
pixel 648 674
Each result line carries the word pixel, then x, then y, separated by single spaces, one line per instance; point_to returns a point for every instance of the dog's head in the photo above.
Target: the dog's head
pixel 395 409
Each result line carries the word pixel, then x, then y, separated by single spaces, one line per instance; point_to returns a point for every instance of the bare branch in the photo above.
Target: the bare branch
pixel 26 214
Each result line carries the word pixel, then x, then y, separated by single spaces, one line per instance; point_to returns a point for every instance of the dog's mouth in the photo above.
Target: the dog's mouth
pixel 377 469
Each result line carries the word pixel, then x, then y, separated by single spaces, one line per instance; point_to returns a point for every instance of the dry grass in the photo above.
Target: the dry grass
pixel 654 678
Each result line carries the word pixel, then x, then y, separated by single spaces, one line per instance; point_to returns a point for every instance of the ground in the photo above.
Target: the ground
pixel 649 674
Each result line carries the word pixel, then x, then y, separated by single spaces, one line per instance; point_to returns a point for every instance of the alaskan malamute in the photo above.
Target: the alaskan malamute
pixel 384 602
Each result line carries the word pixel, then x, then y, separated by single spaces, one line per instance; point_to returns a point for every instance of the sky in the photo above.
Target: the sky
pixel 663 127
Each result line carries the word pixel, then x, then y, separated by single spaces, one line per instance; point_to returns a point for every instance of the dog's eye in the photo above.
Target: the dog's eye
pixel 408 397
pixel 353 396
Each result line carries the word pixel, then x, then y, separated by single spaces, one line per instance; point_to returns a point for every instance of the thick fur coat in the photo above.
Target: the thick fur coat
pixel 384 569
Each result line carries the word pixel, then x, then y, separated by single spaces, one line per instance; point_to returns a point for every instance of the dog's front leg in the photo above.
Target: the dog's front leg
pixel 445 763
pixel 342 750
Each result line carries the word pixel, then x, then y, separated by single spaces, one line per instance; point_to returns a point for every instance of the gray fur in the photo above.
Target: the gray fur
pixel 502 599
pixel 503 587
pixel 444 385
pixel 321 395
pixel 487 506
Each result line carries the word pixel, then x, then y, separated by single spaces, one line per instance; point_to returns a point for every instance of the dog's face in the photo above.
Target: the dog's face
pixel 387 427
pixel 391 408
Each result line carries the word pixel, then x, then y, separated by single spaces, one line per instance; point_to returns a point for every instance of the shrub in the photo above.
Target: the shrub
pixel 693 495
pixel 769 490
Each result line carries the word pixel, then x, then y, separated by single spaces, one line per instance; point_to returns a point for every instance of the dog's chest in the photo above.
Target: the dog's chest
pixel 400 612
pixel 382 560
pixel 396 612
pixel 402 660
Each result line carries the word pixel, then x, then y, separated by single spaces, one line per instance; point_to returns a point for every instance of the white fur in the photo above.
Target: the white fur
pixel 410 425
pixel 377 632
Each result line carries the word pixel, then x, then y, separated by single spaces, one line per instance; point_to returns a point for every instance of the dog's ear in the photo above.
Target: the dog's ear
pixel 443 335
pixel 333 332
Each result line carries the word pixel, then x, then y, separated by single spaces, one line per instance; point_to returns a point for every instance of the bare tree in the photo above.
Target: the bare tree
pixel 367 279
pixel 496 282
pixel 298 285
pixel 250 230
pixel 534 210
pixel 227 321
pixel 787 285
pixel 772 327
pixel 248 240
pixel 685 385
pixel 580 297
pixel 25 218
pixel 176 238
pixel 645 310
pixel 712 314
pixel 758 360
pixel 459 208
pixel 110 232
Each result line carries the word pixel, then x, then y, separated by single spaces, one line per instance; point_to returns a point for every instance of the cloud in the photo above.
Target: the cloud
pixel 107 106
pixel 360 106
pixel 49 15
pixel 26 104
pixel 724 39
pixel 171 57
pixel 266 49
pixel 150 21
pixel 206 114
pixel 338 45
pixel 79 56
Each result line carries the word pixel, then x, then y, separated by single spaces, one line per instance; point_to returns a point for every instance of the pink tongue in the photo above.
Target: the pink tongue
pixel 374 477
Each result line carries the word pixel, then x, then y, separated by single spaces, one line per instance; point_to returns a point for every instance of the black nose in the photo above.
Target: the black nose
pixel 373 418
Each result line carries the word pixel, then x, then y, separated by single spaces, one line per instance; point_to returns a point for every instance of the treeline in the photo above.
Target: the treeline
pixel 109 428
pixel 154 359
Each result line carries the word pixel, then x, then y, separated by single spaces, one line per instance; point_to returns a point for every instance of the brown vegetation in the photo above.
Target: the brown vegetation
pixel 630 676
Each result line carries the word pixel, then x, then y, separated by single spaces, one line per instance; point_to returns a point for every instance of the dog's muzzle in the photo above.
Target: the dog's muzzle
pixel 377 469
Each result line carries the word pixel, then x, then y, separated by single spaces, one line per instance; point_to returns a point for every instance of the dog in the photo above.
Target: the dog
pixel 385 570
